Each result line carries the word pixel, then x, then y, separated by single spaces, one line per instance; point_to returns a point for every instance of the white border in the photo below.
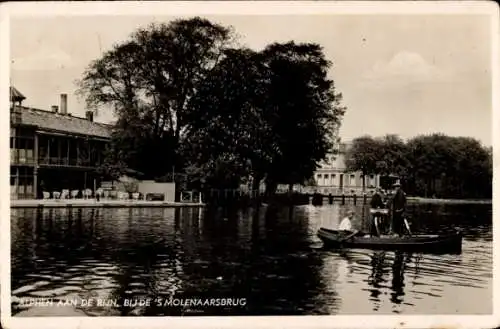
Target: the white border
pixel 238 8
pixel 4 164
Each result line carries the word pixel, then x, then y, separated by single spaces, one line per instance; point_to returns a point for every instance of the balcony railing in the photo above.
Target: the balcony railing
pixel 20 157
pixel 26 157
pixel 65 162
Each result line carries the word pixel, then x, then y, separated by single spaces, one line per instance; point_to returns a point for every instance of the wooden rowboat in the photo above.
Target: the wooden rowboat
pixel 443 243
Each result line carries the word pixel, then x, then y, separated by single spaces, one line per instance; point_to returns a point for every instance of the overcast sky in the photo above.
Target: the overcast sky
pixel 406 75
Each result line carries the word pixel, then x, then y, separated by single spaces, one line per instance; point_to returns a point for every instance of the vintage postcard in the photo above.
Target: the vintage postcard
pixel 260 164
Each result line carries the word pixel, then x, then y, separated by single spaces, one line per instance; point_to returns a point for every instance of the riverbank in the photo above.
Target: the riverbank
pixel 92 203
pixel 447 201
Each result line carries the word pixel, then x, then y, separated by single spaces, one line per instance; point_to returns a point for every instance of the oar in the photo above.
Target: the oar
pixel 407 226
pixel 349 236
pixel 376 226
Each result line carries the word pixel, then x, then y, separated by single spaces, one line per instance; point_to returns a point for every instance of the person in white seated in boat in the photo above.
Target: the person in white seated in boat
pixel 346 223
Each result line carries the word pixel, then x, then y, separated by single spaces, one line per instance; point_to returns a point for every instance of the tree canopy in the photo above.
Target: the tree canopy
pixel 148 81
pixel 306 110
pixel 186 96
pixel 429 165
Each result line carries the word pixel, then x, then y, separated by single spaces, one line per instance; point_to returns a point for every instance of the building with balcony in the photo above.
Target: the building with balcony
pixel 333 177
pixel 52 150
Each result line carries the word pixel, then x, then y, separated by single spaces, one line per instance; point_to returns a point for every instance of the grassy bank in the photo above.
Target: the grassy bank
pixel 448 201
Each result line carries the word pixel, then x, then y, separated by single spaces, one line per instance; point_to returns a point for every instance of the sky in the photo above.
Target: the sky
pixel 399 74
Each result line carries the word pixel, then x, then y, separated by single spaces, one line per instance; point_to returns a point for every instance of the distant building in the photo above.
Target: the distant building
pixel 333 177
pixel 53 150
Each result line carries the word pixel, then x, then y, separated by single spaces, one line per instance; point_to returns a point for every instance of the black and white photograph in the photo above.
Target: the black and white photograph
pixel 235 160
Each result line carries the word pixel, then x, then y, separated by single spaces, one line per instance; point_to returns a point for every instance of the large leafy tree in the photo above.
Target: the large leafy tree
pixel 275 112
pixel 391 155
pixel 305 111
pixel 433 164
pixel 148 81
pixel 364 155
pixel 229 136
pixel 472 174
pixel 432 158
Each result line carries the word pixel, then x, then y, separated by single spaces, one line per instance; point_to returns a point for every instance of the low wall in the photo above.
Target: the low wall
pixel 168 189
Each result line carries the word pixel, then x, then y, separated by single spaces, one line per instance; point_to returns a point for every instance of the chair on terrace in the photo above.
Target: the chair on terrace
pixel 74 194
pixel 65 194
pixel 88 193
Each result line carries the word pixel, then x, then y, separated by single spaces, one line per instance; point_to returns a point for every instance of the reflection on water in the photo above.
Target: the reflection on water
pixel 271 257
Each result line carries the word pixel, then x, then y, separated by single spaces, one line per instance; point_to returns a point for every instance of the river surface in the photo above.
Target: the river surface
pixel 267 261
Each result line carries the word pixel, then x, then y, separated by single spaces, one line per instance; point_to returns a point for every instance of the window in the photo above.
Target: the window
pixel 13 155
pixel 42 151
pixel 352 181
pixel 333 179
pixel 52 147
pixel 29 143
pixel 22 156
pixel 26 171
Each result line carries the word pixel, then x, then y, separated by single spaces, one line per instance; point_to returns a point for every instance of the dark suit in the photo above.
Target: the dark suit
pixel 398 207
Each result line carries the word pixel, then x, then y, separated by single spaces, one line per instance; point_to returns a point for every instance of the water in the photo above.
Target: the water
pixel 269 261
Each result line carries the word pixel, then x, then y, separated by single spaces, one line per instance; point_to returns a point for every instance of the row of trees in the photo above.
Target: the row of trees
pixel 429 165
pixel 187 96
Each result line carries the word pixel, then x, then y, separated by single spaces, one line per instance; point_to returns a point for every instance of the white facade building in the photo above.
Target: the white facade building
pixel 333 177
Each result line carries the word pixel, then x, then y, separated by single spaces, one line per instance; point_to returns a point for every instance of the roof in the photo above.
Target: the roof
pixel 63 123
pixel 15 95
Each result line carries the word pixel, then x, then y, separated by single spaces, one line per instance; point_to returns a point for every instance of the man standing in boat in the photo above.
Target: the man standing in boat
pixel 376 203
pixel 398 205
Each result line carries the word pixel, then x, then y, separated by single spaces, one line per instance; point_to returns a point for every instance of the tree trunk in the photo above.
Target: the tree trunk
pixel 271 187
pixel 290 188
pixel 256 183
